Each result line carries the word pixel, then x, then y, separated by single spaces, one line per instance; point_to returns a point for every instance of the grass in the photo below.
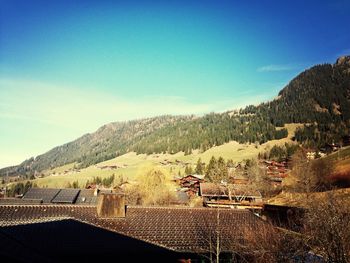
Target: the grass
pixel 343 153
pixel 343 165
pixel 60 169
pixel 301 199
pixel 341 161
pixel 135 165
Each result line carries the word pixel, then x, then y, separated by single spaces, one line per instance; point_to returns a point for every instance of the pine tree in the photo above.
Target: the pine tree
pixel 188 170
pixel 212 172
pixel 200 167
pixel 222 169
pixel 230 163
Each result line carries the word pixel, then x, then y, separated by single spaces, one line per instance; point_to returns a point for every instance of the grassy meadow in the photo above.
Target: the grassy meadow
pixel 132 165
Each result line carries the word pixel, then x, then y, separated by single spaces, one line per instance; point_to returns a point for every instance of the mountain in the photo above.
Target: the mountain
pixel 107 142
pixel 318 97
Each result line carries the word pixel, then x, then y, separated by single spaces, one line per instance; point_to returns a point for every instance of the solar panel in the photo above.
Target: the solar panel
pixel 66 196
pixel 86 196
pixel 45 194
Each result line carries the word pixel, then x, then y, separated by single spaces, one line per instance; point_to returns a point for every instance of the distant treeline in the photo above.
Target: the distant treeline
pixel 208 131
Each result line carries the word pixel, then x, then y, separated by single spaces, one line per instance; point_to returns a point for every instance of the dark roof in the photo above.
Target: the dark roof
pixel 71 241
pixel 86 196
pixel 46 194
pixel 220 190
pixel 60 196
pixel 66 196
pixel 179 229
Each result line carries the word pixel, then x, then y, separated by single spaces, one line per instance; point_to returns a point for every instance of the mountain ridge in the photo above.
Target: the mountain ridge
pixel 325 87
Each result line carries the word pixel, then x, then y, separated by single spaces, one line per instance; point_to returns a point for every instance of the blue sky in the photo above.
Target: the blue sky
pixel 68 67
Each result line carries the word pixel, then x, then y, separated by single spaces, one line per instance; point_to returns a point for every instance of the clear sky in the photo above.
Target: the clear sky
pixel 68 67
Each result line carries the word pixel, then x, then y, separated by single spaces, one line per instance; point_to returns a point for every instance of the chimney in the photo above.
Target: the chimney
pixel 111 205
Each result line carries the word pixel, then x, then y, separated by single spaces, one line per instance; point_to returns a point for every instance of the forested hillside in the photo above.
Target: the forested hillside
pixel 208 131
pixel 318 97
pixel 107 142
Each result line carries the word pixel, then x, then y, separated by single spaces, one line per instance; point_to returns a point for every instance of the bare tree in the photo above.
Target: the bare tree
pixel 327 220
pixel 306 179
pixel 260 243
pixel 217 242
pixel 239 192
pixel 322 169
pixel 272 245
pixel 258 179
pixel 327 226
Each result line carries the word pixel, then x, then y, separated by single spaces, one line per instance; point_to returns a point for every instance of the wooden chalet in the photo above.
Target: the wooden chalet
pixel 276 171
pixel 190 184
pixel 330 147
pixel 230 195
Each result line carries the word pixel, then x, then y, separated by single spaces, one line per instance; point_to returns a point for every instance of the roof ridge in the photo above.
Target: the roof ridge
pixel 49 205
pixel 27 221
pixel 186 208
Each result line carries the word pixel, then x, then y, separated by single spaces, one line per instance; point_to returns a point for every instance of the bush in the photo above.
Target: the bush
pixel 155 188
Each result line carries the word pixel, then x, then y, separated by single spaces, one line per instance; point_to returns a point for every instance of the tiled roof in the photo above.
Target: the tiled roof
pixel 20 201
pixel 198 176
pixel 219 190
pixel 179 229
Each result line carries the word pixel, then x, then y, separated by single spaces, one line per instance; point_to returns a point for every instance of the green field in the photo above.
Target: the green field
pixel 131 165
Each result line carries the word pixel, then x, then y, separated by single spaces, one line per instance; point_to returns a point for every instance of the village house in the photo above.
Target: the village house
pixel 312 155
pixel 230 195
pixel 190 184
pixel 333 147
pixel 112 167
pixel 276 171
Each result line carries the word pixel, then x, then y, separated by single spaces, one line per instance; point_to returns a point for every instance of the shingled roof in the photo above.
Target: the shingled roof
pixel 179 229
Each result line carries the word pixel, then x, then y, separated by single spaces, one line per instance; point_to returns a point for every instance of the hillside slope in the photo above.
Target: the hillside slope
pixel 106 143
pixel 131 165
pixel 320 97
